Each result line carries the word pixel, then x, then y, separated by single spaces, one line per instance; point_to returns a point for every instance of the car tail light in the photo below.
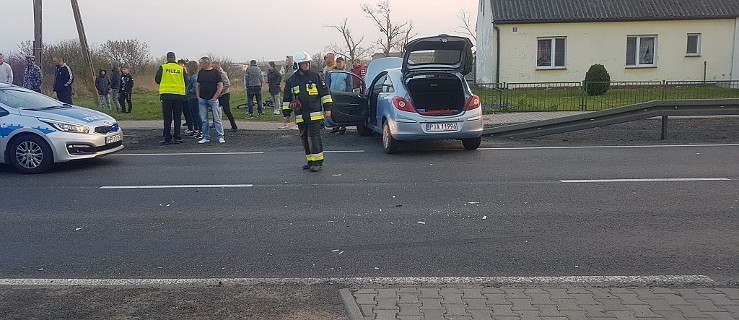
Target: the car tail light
pixel 403 105
pixel 472 103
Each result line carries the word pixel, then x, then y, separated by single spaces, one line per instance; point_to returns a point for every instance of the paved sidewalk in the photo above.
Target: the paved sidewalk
pixel 561 303
pixel 489 119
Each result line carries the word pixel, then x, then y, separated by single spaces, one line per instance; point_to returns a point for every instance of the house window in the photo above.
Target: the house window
pixel 641 51
pixel 694 44
pixel 550 53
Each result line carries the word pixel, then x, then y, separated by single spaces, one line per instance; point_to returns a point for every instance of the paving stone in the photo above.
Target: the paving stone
pixel 450 290
pixel 661 305
pixel 409 290
pixel 584 298
pixel 691 312
pixel 429 293
pixel 459 317
pixel 431 304
pixel 721 315
pixel 721 299
pixel 477 304
pixel 733 309
pixel 455 309
pixel 365 291
pixel 515 293
pixel 558 293
pixel 367 310
pixel 492 290
pixel 690 294
pixel 659 290
pixel 407 297
pixel 409 309
pixel 386 294
pixel 580 290
pixel 553 318
pixel 540 298
pixel 671 314
pixel 642 311
pixel 410 318
pixel 385 315
pixel 507 318
pixel 549 311
pixel 622 290
pixel 530 291
pixel 732 293
pixel 365 298
pixel 629 298
pixel 601 293
pixel 594 311
pixel 568 305
pixel 472 294
pixel 386 304
pixel 481 314
pixel 495 298
pixel 706 290
pixel 433 314
pixel 502 310
pixel 522 305
pixel 623 315
pixel 613 304
pixel 707 306
pixel 645 294
pixel 674 299
pixel 530 315
pixel 575 315
pixel 452 298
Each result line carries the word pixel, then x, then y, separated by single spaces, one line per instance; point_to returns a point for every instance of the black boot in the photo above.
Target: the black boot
pixel 307 166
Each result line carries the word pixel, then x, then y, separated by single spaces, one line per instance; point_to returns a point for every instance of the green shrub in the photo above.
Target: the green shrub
pixel 597 80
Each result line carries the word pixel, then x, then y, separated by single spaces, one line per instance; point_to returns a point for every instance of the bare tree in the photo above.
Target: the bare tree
pixel 131 52
pixel 465 17
pixel 394 33
pixel 353 47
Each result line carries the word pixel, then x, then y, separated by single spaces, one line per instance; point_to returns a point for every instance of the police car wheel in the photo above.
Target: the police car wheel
pixel 30 154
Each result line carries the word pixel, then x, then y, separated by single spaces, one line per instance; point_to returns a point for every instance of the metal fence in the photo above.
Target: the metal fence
pixel 571 96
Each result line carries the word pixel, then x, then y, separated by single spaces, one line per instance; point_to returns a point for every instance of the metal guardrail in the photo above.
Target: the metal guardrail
pixel 571 96
pixel 663 108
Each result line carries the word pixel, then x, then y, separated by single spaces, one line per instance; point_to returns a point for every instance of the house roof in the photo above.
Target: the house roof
pixel 548 11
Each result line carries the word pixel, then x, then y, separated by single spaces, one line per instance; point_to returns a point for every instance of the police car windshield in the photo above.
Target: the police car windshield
pixel 27 100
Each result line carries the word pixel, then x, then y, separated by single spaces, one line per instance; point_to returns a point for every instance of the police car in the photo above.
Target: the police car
pixel 37 131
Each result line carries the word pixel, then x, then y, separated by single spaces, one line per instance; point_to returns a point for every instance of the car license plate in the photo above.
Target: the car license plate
pixel 442 126
pixel 113 139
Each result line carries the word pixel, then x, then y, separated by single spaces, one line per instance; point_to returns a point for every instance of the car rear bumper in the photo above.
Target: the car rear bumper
pixel 404 129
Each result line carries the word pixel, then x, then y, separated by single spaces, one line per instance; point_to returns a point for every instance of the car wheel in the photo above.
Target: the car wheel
pixel 472 143
pixel 30 154
pixel 364 131
pixel 388 142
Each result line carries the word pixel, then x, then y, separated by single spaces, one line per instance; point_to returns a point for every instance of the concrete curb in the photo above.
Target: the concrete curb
pixel 352 308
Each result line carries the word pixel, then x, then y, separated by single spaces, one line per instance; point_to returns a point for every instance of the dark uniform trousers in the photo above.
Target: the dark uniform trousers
pixel 172 110
pixel 310 135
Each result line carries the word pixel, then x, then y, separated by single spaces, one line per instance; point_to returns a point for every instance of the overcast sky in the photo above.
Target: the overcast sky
pixel 239 29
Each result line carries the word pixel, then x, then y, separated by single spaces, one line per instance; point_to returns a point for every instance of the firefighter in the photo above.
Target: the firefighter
pixel 306 94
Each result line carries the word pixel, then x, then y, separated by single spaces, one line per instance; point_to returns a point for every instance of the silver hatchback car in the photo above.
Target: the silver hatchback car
pixel 37 131
pixel 422 96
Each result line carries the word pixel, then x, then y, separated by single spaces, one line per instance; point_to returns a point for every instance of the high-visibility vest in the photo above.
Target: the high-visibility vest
pixel 173 80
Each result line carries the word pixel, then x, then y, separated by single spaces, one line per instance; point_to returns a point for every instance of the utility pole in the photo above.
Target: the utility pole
pixel 38 44
pixel 83 38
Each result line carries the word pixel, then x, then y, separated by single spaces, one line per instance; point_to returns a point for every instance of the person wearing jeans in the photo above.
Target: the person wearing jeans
pixel 253 81
pixel 208 90
pixel 274 81
pixel 115 86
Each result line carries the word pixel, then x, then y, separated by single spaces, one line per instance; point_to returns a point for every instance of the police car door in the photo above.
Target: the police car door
pixel 350 103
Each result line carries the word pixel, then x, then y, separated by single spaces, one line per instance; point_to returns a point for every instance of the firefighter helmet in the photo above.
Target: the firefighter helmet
pixel 300 57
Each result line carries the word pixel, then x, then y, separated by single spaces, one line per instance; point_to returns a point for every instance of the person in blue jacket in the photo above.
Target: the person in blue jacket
pixel 63 81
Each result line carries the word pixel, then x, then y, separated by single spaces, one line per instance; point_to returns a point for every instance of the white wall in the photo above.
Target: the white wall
pixel 605 43
pixel 735 57
pixel 485 51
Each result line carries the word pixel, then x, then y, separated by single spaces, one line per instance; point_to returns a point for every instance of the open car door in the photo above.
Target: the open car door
pixel 350 102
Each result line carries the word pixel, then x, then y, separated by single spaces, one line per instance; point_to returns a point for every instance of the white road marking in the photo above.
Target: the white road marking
pixel 345 151
pixel 186 154
pixel 213 186
pixel 633 280
pixel 617 147
pixel 645 180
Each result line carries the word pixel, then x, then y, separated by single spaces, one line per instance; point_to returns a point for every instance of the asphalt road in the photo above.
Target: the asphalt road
pixel 434 210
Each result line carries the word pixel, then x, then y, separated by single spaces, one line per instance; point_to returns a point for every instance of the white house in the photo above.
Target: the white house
pixel 641 40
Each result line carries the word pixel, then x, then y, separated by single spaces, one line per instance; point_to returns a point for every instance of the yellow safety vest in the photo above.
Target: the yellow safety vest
pixel 173 80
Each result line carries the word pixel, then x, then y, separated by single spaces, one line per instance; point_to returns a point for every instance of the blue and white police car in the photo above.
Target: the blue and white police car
pixel 37 131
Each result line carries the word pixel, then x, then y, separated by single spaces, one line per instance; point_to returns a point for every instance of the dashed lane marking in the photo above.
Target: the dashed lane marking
pixel 616 147
pixel 646 180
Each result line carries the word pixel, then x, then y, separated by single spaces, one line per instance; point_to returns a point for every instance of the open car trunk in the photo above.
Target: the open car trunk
pixel 436 94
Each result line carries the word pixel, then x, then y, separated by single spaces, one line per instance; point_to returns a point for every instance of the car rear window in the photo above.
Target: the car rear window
pixel 423 57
